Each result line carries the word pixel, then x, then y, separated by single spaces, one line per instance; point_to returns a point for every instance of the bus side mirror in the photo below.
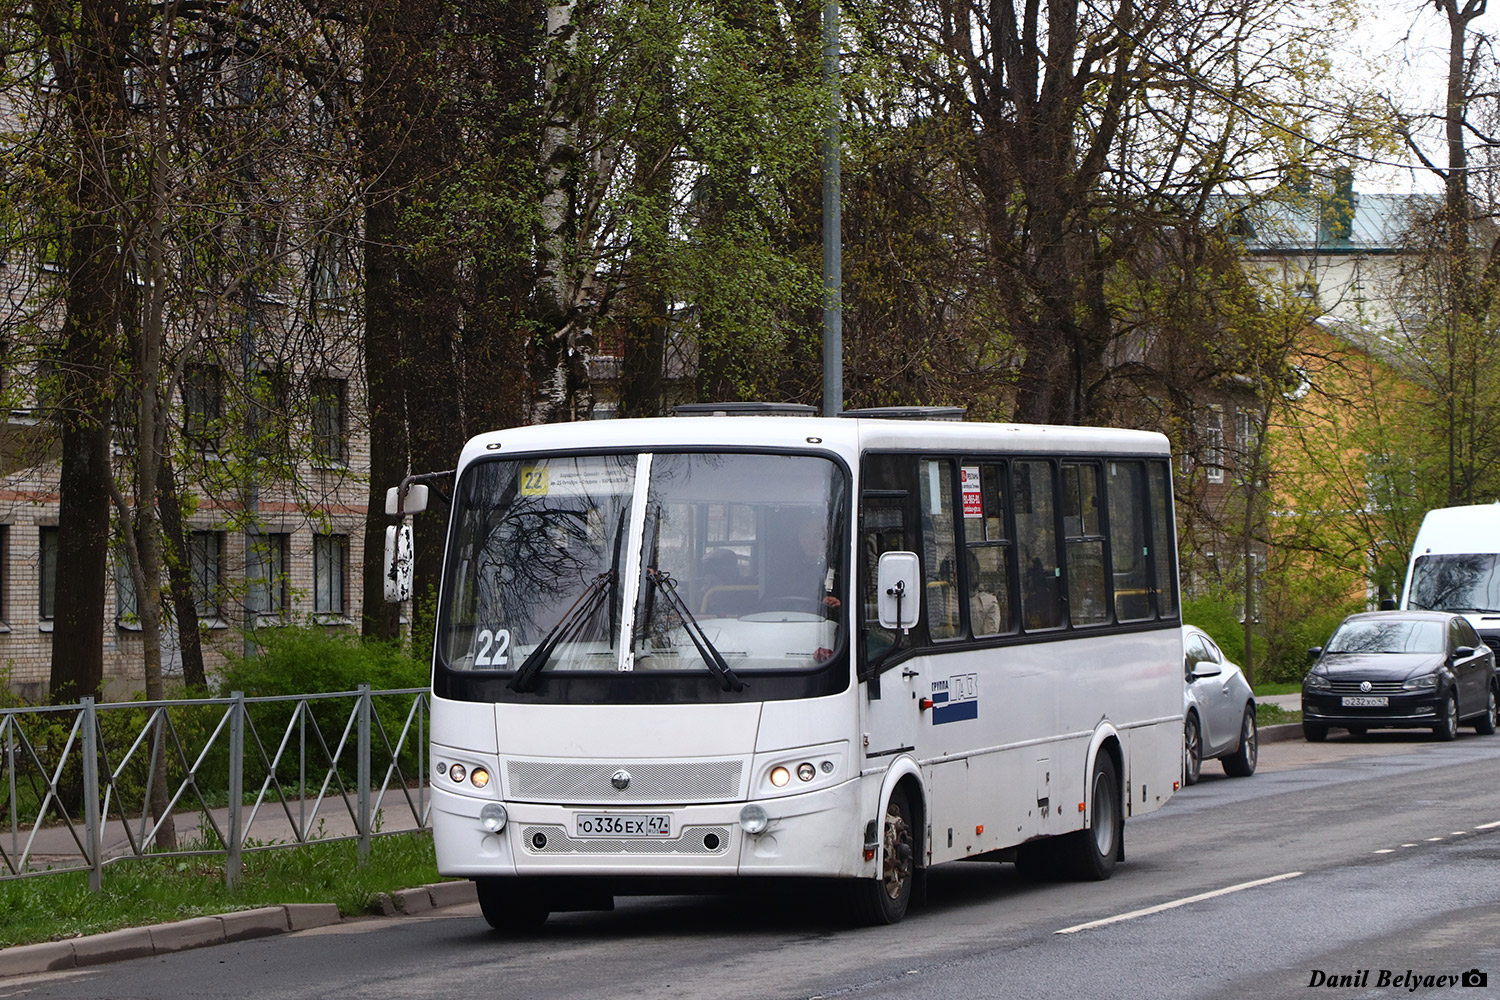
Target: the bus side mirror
pixel 399 559
pixel 898 586
pixel 416 500
pixel 1387 604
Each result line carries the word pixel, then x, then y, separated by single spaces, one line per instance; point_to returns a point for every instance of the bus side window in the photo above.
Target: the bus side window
pixel 939 551
pixel 885 526
pixel 1126 483
pixel 1036 543
pixel 1163 547
pixel 987 541
pixel 1083 531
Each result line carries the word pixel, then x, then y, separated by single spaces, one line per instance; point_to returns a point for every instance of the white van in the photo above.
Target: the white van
pixel 1455 566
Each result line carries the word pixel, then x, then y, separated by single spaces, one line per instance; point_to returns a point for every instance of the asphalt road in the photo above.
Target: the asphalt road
pixel 1381 856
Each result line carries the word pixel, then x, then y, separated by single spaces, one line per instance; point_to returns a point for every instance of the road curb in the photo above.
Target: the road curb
pixel 1279 734
pixel 200 932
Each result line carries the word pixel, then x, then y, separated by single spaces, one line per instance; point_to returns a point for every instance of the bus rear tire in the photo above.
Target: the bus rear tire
pixel 883 900
pixel 511 905
pixel 1091 853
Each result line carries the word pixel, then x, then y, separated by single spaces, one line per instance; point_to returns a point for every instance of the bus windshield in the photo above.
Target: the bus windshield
pixel 1459 582
pixel 720 565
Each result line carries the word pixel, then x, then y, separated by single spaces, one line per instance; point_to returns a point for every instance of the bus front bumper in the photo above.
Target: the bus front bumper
pixel 814 834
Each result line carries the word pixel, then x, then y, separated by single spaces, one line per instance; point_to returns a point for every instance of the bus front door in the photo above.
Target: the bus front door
pixel 894 709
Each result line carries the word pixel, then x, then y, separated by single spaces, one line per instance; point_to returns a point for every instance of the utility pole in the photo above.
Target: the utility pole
pixel 833 224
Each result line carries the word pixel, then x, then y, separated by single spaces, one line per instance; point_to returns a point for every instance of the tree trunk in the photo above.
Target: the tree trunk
pixel 180 577
pixel 89 69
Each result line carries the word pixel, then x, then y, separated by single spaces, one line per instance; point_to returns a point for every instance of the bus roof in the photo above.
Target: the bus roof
pixel 847 437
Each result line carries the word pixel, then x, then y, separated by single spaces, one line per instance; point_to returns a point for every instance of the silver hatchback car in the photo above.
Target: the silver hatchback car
pixel 1218 710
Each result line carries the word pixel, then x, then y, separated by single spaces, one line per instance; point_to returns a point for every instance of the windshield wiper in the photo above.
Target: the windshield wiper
pixel 568 626
pixel 711 656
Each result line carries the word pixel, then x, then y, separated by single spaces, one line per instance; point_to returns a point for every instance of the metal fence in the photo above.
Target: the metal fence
pixel 236 774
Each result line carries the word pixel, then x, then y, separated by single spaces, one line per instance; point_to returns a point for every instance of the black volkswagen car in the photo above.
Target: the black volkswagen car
pixel 1401 670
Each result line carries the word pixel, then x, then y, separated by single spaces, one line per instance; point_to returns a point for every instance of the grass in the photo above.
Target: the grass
pixel 1274 715
pixel 153 891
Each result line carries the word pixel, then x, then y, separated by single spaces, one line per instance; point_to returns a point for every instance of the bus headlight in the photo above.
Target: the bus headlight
pixel 780 776
pixel 492 817
pixel 479 777
pixel 753 819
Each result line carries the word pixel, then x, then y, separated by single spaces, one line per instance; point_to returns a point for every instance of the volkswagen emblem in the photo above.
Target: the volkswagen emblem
pixel 620 779
pixel 1363 686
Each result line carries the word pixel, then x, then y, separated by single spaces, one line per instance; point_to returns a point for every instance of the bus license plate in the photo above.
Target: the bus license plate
pixel 617 825
pixel 1358 701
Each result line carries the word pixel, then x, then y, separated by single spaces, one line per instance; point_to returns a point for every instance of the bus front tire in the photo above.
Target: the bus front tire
pixel 510 905
pixel 883 900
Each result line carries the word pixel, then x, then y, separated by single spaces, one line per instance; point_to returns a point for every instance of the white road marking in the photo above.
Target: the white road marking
pixel 1174 904
pixel 1386 850
pixel 1488 826
pixel 1432 840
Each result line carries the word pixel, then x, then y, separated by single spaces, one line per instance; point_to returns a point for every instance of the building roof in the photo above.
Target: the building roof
pixel 1327 222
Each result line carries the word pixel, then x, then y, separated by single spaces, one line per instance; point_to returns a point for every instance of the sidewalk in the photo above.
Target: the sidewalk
pixel 54 845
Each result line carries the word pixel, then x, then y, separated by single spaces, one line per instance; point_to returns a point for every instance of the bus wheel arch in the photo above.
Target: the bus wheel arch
pixel 899 831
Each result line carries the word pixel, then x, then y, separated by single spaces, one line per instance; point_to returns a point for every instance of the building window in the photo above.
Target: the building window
pixel 4 577
pixel 266 425
pixel 328 269
pixel 205 551
pixel 202 406
pixel 1247 430
pixel 49 385
pixel 265 576
pixel 330 434
pixel 330 561
pixel 47 575
pixel 1213 445
pixel 127 603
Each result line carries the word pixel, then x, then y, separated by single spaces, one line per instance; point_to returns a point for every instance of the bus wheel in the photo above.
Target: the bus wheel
pixel 511 905
pixel 883 900
pixel 1092 853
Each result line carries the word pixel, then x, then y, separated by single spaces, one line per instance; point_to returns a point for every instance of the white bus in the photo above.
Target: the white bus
pixel 672 653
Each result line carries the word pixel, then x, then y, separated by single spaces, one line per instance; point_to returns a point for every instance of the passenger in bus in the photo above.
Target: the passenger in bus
pixel 1039 596
pixel 801 572
pixel 984 606
pixel 724 591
